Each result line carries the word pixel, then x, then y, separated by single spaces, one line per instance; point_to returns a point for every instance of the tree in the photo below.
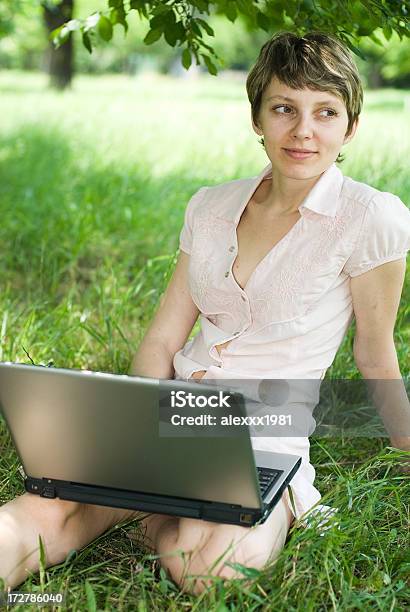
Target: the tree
pixel 55 13
pixel 60 59
pixel 184 23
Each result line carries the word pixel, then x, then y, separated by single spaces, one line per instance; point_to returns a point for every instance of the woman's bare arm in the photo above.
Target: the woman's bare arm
pixel 376 298
pixel 170 327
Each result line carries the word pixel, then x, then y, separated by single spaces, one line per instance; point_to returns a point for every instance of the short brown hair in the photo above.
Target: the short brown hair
pixel 316 61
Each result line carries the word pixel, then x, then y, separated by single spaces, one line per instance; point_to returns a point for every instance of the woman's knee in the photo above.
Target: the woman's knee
pixel 203 551
pixel 179 545
pixel 196 570
pixel 225 563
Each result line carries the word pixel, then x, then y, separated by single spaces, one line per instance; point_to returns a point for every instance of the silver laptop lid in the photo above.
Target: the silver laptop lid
pixel 103 429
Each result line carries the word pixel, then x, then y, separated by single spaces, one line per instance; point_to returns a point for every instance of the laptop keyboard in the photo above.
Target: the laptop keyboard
pixel 267 478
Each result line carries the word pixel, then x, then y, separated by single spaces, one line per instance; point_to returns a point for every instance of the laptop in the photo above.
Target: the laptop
pixel 106 439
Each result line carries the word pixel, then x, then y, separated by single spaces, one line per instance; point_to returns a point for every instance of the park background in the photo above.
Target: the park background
pixel 94 180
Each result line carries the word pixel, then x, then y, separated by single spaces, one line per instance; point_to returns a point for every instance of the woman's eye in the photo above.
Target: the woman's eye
pixel 283 109
pixel 330 111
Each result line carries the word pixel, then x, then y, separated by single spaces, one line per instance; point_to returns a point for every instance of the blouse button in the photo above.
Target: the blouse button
pixel 226 274
pixel 231 248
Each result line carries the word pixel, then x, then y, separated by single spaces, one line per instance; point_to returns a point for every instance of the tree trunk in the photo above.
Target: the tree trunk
pixel 60 61
pixel 375 78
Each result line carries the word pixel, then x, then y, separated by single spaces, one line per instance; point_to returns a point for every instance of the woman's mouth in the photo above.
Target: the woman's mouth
pixel 299 153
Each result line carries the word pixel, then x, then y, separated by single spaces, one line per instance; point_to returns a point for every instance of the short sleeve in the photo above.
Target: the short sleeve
pixel 384 236
pixel 185 237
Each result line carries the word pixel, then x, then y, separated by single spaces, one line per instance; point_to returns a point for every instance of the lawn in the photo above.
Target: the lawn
pixel 93 187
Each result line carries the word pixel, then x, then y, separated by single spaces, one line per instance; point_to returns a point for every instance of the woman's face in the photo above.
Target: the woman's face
pixel 303 129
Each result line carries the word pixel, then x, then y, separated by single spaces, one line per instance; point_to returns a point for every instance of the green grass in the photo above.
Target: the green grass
pixel 93 186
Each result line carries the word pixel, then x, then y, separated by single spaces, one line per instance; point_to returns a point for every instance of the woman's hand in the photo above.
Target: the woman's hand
pixel 198 375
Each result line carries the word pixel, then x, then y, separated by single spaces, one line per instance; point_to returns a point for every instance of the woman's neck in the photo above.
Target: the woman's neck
pixel 285 194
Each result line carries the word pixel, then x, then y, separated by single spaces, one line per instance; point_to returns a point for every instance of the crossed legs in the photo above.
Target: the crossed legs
pixel 191 550
pixel 194 551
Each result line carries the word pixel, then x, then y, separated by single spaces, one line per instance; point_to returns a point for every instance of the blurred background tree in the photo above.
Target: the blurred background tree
pixel 143 39
pixel 25 43
pixel 386 65
pixel 60 59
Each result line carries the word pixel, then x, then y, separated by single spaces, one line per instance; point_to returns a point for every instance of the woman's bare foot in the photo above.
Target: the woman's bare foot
pixel 62 526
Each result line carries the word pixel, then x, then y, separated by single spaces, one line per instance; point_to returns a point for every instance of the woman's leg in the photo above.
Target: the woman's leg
pixel 62 525
pixel 186 546
pixel 191 547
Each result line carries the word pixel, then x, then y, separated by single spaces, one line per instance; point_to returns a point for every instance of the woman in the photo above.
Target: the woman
pixel 275 266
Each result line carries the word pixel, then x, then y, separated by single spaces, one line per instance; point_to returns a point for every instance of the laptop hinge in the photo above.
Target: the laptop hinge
pixel 43 487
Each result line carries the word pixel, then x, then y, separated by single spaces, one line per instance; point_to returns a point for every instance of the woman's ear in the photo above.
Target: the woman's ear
pixel 352 132
pixel 256 128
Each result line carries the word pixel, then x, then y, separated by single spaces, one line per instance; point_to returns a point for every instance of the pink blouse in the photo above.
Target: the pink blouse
pixel 293 313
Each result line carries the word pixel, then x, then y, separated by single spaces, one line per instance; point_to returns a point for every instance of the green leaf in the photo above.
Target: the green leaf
pixel 163 20
pixel 140 6
pixel 205 26
pixel 42 564
pixel 181 32
pixel 186 58
pixel 366 28
pixel 356 50
pixel 87 42
pixel 210 65
pixel 116 3
pixel 163 585
pixel 174 32
pixel 205 46
pixel 246 7
pixel 171 34
pixel 202 5
pixel 152 36
pixel 292 500
pixel 387 32
pixel 118 16
pixel 162 7
pixel 195 28
pixel 60 35
pixel 263 21
pixel 105 28
pixel 231 12
pixel 91 601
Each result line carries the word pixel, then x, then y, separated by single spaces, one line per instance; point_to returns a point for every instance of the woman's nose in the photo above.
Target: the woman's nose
pixel 303 127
